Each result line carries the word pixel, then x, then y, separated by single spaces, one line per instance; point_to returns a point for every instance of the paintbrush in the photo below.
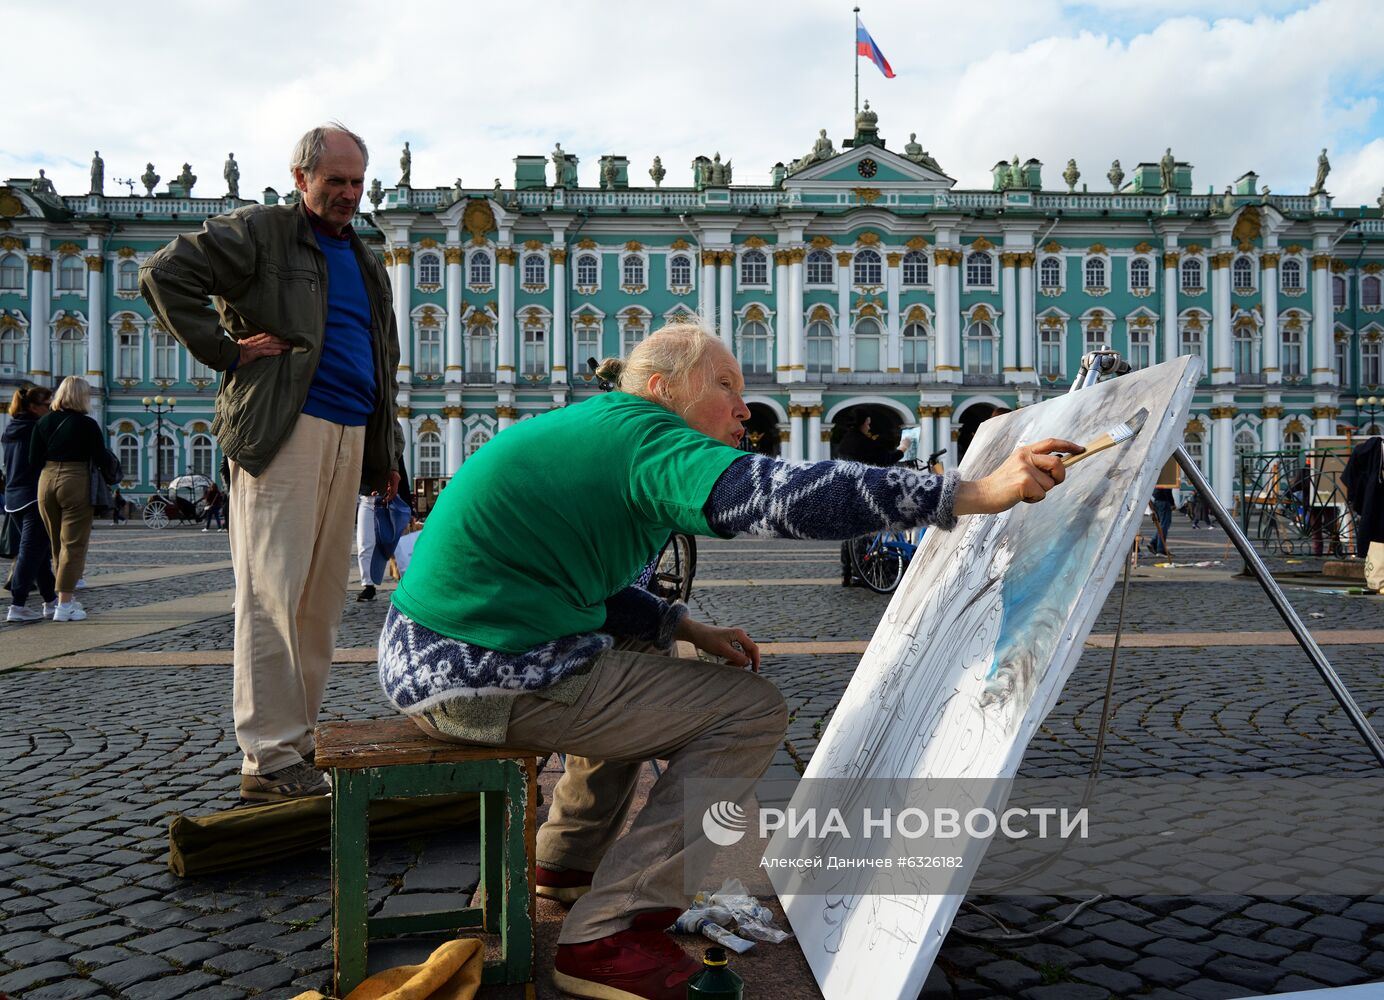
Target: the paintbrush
pixel 1116 435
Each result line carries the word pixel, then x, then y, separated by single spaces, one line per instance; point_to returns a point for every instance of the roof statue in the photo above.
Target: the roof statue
pixel 821 150
pixel 405 166
pixel 915 152
pixel 718 174
pixel 457 191
pixel 187 178
pixel 1323 168
pixel 1071 175
pixel 867 127
pixel 1264 195
pixel 1016 173
pixel 1167 168
pixel 1228 202
pixel 497 193
pixel 1115 176
pixel 1381 200
pixel 376 193
pixel 609 173
pixel 231 171
pixel 43 185
pixel 657 172
pixel 98 174
pixel 559 158
pixel 150 180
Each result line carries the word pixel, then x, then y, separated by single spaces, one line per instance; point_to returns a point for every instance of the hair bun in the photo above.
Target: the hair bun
pixel 610 369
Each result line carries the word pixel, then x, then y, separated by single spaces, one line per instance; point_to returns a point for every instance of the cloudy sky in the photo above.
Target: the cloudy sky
pixel 1231 86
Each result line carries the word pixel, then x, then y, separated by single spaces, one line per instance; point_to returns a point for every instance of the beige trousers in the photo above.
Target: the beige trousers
pixel 291 548
pixel 64 504
pixel 707 720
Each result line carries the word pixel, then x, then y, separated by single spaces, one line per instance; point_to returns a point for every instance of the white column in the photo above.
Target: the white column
pixel 814 434
pixel 1323 312
pixel 403 293
pixel 456 441
pixel 947 319
pixel 1223 344
pixel 1223 449
pixel 706 300
pixel 1170 277
pixel 559 256
pixel 726 322
pixel 782 317
pixel 40 305
pixel 504 367
pixel 1027 313
pixel 1268 289
pixel 1324 413
pixel 894 353
pixel 793 447
pixel 410 437
pixel 1009 333
pixel 925 433
pixel 945 438
pixel 453 363
pixel 96 329
pixel 505 416
pixel 1271 430
pixel 797 346
pixel 843 312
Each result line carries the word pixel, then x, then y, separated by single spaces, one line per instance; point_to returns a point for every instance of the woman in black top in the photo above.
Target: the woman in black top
pixel 32 566
pixel 65 442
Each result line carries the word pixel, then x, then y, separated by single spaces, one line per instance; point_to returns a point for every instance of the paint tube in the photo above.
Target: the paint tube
pixel 752 918
pixel 697 922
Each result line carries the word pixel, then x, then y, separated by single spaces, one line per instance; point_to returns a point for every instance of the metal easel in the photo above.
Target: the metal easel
pixel 1108 362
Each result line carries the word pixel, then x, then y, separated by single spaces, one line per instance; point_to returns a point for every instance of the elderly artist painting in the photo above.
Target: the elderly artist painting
pixel 521 622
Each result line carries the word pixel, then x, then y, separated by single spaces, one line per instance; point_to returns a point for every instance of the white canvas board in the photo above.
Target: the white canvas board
pixel 973 652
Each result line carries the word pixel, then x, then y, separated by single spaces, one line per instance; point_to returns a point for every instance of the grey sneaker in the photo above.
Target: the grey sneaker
pixel 294 782
pixel 19 613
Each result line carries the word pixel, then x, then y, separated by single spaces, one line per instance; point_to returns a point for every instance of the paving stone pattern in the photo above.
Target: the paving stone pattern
pixel 93 761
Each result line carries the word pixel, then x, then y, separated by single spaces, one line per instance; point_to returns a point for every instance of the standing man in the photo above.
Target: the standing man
pixel 295 311
pixel 859 444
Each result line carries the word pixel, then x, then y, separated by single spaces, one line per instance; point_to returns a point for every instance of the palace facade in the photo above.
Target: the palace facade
pixel 860 280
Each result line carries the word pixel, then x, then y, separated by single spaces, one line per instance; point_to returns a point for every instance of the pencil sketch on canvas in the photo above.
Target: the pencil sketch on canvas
pixel 972 654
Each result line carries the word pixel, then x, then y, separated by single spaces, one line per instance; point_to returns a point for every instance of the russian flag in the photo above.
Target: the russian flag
pixel 865 46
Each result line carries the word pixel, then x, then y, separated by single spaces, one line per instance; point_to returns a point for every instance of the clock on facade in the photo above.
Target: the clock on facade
pixel 867 167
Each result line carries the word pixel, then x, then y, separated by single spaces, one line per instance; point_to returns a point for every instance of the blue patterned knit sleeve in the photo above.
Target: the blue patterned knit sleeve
pixel 638 614
pixel 768 498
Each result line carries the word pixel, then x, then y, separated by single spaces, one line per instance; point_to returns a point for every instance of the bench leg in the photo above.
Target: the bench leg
pixel 350 854
pixel 516 929
pixel 491 891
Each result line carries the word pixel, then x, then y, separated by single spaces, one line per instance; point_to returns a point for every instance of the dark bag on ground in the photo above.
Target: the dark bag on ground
pixel 9 535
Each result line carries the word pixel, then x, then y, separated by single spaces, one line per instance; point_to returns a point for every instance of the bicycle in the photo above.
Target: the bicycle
pixel 881 559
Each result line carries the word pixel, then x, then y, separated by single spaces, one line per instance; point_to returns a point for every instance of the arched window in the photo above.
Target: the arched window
pixel 915 268
pixel 430 454
pixel 167 459
pixel 632 270
pixel 1338 291
pixel 1050 351
pixel 1290 275
pixel 1190 338
pixel 480 268
pixel 127 450
pixel 1246 443
pixel 1095 272
pixel 1242 274
pixel 1097 333
pixel 979 269
pixel 916 344
pixel 680 270
pixel 821 343
pixel 535 269
pixel 1191 274
pixel 1370 291
pixel 867 337
pixel 1246 350
pixel 535 353
pixel 1341 359
pixel 819 268
pixel 1140 274
pixel 69 352
pixel 868 269
pixel 1196 449
pixel 1050 273
pixel 980 349
pixel 754 268
pixel 587 270
pixel 429 269
pixel 429 358
pixel 199 451
pixel 163 350
pixel 480 342
pixel 129 345
pixel 12 273
pixel 632 332
pixel 1370 364
pixel 1140 347
pixel 71 273
pixel 475 439
pixel 754 348
pixel 1290 353
pixel 586 343
pixel 1293 441
pixel 127 276
pixel 14 348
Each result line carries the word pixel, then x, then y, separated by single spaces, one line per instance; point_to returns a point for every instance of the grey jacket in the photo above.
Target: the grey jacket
pixel 259 269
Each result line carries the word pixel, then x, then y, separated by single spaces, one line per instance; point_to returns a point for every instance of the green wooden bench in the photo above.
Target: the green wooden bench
pixel 393 758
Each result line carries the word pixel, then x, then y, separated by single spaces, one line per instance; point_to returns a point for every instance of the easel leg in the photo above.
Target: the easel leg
pixel 1275 594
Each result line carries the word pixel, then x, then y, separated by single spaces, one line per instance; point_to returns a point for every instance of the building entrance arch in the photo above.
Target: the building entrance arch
pixel 971 418
pixel 762 430
pixel 885 423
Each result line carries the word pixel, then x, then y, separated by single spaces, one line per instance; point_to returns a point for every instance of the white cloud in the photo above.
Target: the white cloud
pixel 753 81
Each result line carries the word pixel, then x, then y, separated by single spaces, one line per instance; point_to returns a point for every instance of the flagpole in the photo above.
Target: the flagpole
pixel 854 48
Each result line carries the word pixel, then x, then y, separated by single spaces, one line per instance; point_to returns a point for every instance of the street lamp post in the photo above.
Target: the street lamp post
pixel 1370 406
pixel 158 406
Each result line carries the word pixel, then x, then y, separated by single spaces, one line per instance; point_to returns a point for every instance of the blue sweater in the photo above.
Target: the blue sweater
pixel 343 390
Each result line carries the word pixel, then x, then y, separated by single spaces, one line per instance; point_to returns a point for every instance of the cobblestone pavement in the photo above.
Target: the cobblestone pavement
pixel 93 760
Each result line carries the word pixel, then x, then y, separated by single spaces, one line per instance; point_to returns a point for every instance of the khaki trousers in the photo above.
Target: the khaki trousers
pixel 64 503
pixel 290 537
pixel 707 720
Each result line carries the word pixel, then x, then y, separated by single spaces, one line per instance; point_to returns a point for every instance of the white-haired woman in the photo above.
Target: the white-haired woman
pixel 64 444
pixel 521 623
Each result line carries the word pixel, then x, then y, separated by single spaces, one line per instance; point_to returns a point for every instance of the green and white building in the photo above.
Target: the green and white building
pixel 860 277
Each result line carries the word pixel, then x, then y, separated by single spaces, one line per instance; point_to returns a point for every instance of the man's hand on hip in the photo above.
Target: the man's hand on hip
pixel 261 345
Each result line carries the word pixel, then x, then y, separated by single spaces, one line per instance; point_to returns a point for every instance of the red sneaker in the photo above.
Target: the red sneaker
pixel 565 886
pixel 638 964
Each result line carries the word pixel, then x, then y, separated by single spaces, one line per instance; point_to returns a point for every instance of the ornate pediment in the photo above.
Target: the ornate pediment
pixel 885 170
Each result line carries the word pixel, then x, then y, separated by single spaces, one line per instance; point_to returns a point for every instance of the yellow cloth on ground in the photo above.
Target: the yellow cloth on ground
pixel 452 972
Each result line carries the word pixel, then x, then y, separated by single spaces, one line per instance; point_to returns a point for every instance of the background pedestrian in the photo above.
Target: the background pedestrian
pixel 33 561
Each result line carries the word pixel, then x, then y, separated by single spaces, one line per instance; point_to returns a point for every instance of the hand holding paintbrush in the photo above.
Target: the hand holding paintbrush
pixel 1118 434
